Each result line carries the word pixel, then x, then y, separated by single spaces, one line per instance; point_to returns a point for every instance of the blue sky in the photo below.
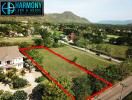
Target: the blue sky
pixel 93 10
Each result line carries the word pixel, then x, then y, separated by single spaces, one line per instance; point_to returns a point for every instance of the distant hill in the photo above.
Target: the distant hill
pixel 66 17
pixel 115 22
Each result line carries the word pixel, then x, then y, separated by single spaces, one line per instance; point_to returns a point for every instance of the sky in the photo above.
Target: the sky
pixel 93 10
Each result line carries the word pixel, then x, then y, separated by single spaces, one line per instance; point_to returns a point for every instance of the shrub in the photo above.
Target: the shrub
pixel 24 44
pixel 75 59
pixel 49 91
pixel 1 92
pixel 2 76
pixel 39 79
pixel 20 95
pixel 23 72
pixel 6 96
pixel 81 88
pixel 10 74
pixel 38 42
pixel 19 83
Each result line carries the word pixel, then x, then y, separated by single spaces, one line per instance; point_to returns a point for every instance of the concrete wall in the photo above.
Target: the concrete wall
pixel 17 62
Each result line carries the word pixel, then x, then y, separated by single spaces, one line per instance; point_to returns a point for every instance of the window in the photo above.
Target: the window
pixel 0 62
pixel 8 62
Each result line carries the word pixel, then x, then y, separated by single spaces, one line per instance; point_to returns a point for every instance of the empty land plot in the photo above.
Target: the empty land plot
pixel 86 60
pixel 65 68
pixel 59 67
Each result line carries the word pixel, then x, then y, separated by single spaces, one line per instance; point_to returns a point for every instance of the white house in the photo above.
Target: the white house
pixel 10 57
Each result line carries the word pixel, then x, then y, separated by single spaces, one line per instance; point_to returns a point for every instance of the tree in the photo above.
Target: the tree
pixel 14 70
pixel 2 76
pixel 38 42
pixel 6 96
pixel 108 50
pixel 20 95
pixel 24 44
pixel 28 65
pixel 23 72
pixel 19 83
pixel 40 79
pixel 81 87
pixel 1 70
pixel 1 92
pixel 10 74
pixel 49 91
pixel 81 42
pixel 47 37
pixel 129 53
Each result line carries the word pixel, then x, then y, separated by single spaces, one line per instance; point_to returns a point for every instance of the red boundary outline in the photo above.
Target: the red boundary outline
pixel 22 50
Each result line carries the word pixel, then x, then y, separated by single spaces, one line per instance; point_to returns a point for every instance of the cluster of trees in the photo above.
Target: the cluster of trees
pixel 19 27
pixel 19 82
pixel 84 85
pixel 50 91
pixel 49 38
pixel 126 40
pixel 12 79
pixel 97 33
pixel 18 95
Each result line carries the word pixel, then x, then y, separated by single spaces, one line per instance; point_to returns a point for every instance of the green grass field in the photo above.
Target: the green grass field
pixel 18 39
pixel 58 67
pixel 116 50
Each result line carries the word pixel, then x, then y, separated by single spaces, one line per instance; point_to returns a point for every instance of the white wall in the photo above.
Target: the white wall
pixel 17 62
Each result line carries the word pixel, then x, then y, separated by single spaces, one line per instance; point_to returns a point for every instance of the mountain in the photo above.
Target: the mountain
pixel 115 22
pixel 66 17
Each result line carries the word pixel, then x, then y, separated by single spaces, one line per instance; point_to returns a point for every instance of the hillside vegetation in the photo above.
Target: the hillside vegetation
pixel 66 17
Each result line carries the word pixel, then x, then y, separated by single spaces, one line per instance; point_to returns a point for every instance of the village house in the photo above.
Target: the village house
pixel 10 57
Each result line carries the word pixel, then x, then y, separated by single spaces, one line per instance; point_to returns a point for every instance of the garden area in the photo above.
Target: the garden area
pixel 12 79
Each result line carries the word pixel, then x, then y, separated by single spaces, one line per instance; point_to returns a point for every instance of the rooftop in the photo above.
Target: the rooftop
pixel 9 52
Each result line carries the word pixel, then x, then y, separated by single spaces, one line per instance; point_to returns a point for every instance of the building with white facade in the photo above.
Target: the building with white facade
pixel 10 57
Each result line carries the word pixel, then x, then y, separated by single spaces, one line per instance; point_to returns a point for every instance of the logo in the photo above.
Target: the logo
pixel 8 8
pixel 22 8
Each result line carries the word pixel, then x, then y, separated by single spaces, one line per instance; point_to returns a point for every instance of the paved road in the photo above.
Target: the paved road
pixel 114 93
pixel 83 49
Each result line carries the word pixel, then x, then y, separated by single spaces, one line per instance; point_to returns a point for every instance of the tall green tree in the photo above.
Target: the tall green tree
pixel 20 95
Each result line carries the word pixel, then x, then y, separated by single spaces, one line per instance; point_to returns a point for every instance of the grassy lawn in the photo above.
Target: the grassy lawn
pixel 84 59
pixel 58 67
pixel 17 39
pixel 116 50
